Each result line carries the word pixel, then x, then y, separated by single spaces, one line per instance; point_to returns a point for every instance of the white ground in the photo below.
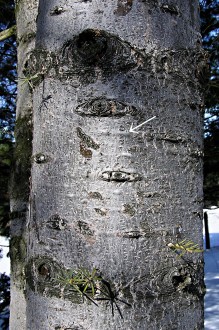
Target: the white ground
pixel 212 273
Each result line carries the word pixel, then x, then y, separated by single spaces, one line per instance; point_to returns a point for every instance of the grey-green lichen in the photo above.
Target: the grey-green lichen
pixel 22 158
pixel 18 257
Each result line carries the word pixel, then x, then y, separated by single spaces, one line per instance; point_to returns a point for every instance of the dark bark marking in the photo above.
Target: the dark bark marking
pixel 44 270
pixel 27 37
pixel 120 176
pixel 152 3
pixel 91 45
pixel 87 153
pixel 43 276
pixel 40 158
pixel 96 48
pixel 33 215
pixel 101 212
pixel 187 278
pixel 57 10
pixel 44 102
pixel 171 137
pixel 128 209
pixel 72 327
pixel 103 107
pixel 85 228
pixel 133 234
pixel 123 7
pixel 170 8
pixel 95 195
pixel 120 56
pixel 18 214
pixel 38 64
pixel 86 139
pixel 56 222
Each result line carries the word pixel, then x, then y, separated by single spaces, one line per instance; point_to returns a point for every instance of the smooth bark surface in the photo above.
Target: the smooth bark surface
pixel 101 196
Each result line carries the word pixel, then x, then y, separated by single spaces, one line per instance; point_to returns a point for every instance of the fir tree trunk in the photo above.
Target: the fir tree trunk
pixel 101 196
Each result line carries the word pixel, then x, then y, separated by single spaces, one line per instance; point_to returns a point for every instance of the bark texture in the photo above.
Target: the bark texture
pixel 101 196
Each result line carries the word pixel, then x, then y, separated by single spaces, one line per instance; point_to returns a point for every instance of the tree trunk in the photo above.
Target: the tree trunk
pixel 101 196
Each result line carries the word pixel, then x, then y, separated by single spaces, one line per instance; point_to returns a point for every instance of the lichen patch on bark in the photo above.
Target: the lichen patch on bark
pixel 18 258
pixel 123 7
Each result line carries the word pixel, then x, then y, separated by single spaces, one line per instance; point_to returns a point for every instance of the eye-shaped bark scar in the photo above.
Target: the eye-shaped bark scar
pixel 103 107
pixel 93 47
pixel 120 176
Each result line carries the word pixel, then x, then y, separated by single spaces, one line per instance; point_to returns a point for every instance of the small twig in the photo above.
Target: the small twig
pixel 5 34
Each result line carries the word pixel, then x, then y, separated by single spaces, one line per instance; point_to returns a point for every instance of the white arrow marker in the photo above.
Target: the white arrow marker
pixel 133 130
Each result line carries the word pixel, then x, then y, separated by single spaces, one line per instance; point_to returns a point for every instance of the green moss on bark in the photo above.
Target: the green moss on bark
pixel 18 257
pixel 44 276
pixel 22 158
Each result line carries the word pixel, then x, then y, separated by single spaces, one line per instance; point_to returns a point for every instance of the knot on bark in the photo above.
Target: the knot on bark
pixel 103 107
pixel 91 45
pixel 120 176
pixel 94 48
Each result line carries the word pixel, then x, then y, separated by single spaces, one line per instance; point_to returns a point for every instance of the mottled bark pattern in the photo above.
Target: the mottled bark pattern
pixel 104 197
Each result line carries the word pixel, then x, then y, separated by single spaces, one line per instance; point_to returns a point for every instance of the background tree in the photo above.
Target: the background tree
pixel 7 120
pixel 210 29
pixel 113 205
pixel 7 109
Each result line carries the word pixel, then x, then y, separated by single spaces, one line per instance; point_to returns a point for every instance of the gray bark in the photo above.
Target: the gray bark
pixel 101 196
